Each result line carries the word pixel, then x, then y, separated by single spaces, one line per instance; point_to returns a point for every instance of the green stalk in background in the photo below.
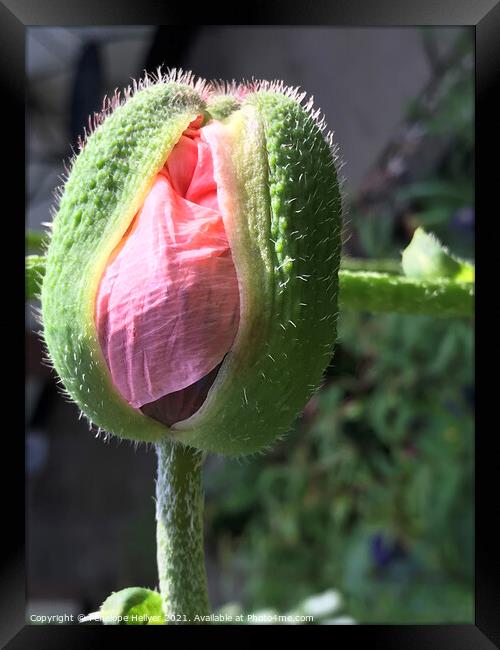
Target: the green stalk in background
pixel 381 292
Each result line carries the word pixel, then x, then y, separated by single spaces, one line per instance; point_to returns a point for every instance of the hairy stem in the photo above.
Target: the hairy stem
pixel 179 536
pixel 381 292
pixel 362 291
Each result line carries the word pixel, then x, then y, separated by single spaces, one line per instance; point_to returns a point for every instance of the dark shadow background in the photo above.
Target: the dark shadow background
pixel 371 495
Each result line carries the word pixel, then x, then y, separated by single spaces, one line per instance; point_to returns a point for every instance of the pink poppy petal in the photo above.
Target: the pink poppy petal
pixel 167 308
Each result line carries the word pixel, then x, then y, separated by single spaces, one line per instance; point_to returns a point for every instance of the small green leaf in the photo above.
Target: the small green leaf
pixel 426 258
pixel 34 272
pixel 35 241
pixel 133 606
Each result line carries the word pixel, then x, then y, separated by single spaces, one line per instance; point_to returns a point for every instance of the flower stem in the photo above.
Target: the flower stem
pixel 179 536
pixel 382 292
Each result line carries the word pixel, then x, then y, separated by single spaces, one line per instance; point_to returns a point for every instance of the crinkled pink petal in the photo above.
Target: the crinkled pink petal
pixel 181 164
pixel 167 308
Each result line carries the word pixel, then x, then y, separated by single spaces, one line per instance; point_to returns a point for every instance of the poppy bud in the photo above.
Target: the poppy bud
pixel 191 278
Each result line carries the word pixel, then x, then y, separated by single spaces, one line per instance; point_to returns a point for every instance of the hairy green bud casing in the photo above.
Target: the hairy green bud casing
pixel 278 192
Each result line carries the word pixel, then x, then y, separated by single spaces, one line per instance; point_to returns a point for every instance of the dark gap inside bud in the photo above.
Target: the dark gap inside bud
pixel 180 405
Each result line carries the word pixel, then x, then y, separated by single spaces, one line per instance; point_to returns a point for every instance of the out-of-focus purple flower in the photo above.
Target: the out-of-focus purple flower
pixel 463 220
pixel 385 551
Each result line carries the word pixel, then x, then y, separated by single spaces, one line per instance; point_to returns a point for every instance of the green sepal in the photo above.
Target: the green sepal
pixel 426 258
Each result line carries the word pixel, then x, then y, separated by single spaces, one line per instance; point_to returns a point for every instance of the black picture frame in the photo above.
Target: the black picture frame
pixel 484 17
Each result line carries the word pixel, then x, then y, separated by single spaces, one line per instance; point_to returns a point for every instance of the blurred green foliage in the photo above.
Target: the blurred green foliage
pixel 372 493
pixel 449 196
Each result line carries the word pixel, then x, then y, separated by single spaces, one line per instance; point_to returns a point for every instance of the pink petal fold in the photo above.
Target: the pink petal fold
pixel 167 308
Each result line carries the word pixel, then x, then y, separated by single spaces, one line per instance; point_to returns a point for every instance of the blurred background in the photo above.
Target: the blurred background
pixel 371 494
